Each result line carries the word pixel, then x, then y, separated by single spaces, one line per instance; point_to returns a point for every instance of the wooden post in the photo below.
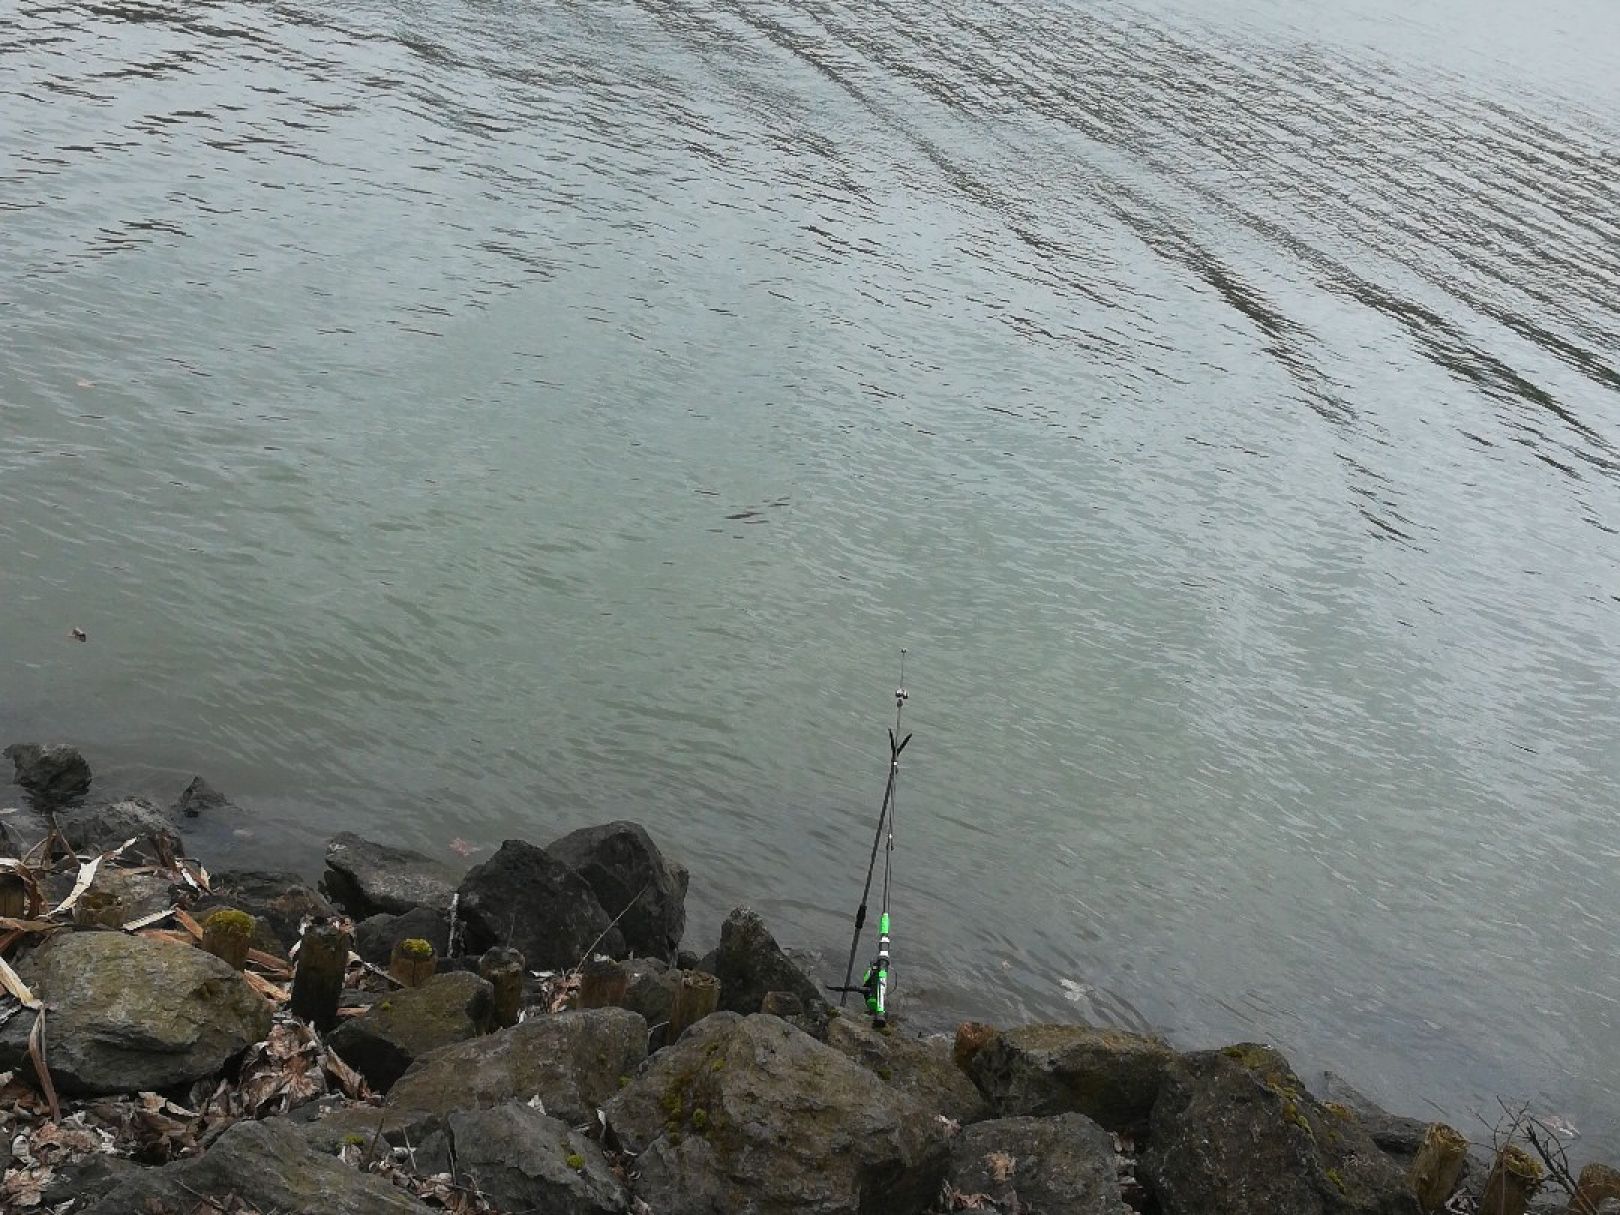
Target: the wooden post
pixel 1598 1182
pixel 323 958
pixel 1438 1167
pixel 602 984
pixel 502 968
pixel 1514 1179
pixel 13 896
pixel 695 999
pixel 228 935
pixel 413 962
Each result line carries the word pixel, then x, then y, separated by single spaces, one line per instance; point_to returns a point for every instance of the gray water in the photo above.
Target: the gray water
pixel 453 421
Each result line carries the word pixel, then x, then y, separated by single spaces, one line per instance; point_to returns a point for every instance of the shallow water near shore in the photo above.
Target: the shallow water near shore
pixel 455 422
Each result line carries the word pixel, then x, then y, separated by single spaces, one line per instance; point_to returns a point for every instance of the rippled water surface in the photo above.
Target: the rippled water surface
pixel 466 420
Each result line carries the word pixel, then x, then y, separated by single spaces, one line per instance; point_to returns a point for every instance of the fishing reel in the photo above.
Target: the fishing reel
pixel 874 985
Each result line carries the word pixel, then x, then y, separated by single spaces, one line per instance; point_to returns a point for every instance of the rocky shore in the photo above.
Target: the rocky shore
pixel 530 1036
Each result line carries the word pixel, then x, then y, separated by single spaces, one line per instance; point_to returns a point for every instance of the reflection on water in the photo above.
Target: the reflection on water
pixel 468 421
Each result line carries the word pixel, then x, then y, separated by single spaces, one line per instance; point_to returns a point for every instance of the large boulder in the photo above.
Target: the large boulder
pixel 1064 1165
pixel 375 937
pixel 749 963
pixel 278 902
pixel 268 1166
pixel 526 898
pixel 366 878
pixel 629 875
pixel 1234 1132
pixel 572 1061
pixel 522 1160
pixel 405 1025
pixel 132 894
pixel 750 1114
pixel 921 1068
pixel 102 827
pixel 131 1013
pixel 1109 1075
pixel 53 772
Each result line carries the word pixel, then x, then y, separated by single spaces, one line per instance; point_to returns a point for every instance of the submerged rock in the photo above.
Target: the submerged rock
pixel 526 898
pixel 405 1025
pixel 1235 1132
pixel 132 1013
pixel 572 1061
pixel 1109 1075
pixel 53 772
pixel 266 1164
pixel 1063 1165
pixel 102 827
pixel 750 1114
pixel 200 797
pixel 749 964
pixel 629 875
pixel 366 878
pixel 523 1160
pixel 921 1068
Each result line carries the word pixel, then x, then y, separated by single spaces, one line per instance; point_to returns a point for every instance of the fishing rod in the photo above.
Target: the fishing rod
pixel 874 985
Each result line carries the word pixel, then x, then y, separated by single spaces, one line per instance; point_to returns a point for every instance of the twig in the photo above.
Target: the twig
pixel 591 948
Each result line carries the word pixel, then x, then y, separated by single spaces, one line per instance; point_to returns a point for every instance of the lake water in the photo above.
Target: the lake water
pixel 454 421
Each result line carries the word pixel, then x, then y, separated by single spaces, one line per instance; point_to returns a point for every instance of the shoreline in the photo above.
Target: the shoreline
pixel 585 935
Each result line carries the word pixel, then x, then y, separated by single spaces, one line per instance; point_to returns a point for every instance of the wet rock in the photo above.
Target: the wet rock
pixel 750 1114
pixel 53 772
pixel 628 874
pixel 102 827
pixel 367 878
pixel 199 797
pixel 132 1013
pixel 407 1024
pixel 279 902
pixel 1398 1137
pixel 266 1164
pixel 1109 1075
pixel 375 938
pixel 11 843
pixel 527 898
pixel 1063 1165
pixel 572 1061
pixel 749 963
pixel 1234 1132
pixel 83 1181
pixel 921 1068
pixel 522 1160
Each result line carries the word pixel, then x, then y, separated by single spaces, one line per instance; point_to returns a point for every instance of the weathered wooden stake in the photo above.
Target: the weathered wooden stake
pixel 695 999
pixel 413 961
pixel 602 984
pixel 13 896
pixel 1598 1181
pixel 502 968
pixel 228 935
pixel 1438 1167
pixel 323 957
pixel 1515 1177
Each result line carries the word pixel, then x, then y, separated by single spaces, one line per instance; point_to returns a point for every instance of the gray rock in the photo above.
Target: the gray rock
pixel 750 1114
pixel 629 875
pixel 921 1068
pixel 105 826
pixel 749 963
pixel 200 797
pixel 572 1061
pixel 280 902
pixel 522 1160
pixel 1109 1075
pixel 375 938
pixel 1235 1132
pixel 526 898
pixel 11 843
pixel 1062 1165
pixel 328 1128
pixel 136 893
pixel 367 878
pixel 267 1164
pixel 53 773
pixel 1397 1136
pixel 85 1180
pixel 1609 1206
pixel 132 1013
pixel 407 1024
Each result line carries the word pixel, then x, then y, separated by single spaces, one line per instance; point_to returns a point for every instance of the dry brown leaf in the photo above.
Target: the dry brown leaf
pixel 184 919
pixel 36 1053
pixel 1001 1165
pixel 18 989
